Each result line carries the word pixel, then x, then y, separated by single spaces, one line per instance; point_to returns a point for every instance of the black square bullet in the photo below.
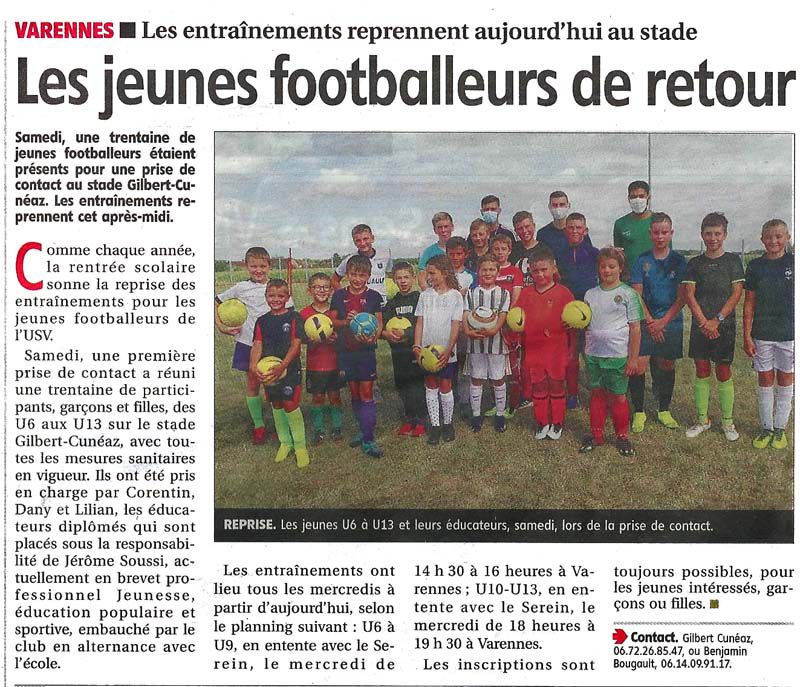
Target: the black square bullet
pixel 127 29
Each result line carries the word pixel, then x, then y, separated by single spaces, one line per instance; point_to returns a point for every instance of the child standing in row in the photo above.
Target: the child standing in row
pixel 439 312
pixel 408 376
pixel 457 251
pixel 769 332
pixel 322 368
pixel 277 333
pixel 612 347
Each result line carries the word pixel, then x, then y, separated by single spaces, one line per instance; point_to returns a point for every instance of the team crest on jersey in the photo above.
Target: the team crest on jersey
pixel 671 275
pixel 286 327
pixel 646 267
pixel 788 273
pixel 618 299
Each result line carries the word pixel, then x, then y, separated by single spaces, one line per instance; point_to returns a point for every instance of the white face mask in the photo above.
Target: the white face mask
pixel 559 213
pixel 638 205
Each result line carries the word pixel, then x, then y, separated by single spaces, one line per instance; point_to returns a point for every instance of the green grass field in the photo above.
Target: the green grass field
pixel 510 470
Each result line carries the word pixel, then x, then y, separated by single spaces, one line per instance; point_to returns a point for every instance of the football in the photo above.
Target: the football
pixel 318 328
pixel 482 318
pixel 266 364
pixel 515 320
pixel 429 357
pixel 365 324
pixel 401 324
pixel 577 315
pixel 232 313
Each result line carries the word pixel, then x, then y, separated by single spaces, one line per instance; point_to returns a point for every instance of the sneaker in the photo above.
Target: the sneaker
pixel 317 438
pixel 624 447
pixel 371 449
pixel 763 439
pixel 588 445
pixel 572 401
pixel 301 454
pixel 283 452
pixel 356 441
pixel 491 412
pixel 336 434
pixel 405 430
pixel 509 413
pixel 730 432
pixel 476 423
pixel 434 434
pixel 666 419
pixel 555 432
pixel 637 425
pixel 779 439
pixel 500 423
pixel 541 433
pixel 524 403
pixel 698 429
pixel 259 436
pixel 418 431
pixel 448 433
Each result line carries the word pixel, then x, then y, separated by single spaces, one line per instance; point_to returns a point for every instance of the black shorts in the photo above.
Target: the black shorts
pixel 671 348
pixel 284 391
pixel 719 350
pixel 323 381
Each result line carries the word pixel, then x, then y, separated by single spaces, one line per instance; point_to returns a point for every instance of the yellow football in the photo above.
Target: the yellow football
pixel 577 314
pixel 515 320
pixel 429 357
pixel 266 364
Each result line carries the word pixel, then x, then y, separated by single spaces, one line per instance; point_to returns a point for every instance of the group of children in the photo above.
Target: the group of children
pixel 636 323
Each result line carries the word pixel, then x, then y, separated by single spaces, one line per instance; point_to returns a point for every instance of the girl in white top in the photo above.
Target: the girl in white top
pixel 439 312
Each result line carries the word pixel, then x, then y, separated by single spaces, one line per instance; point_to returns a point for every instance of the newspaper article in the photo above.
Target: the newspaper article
pixel 415 345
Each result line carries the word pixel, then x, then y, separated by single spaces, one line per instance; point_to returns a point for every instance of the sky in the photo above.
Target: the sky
pixel 306 191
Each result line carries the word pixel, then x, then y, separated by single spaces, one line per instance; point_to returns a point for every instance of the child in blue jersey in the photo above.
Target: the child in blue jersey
pixel 769 332
pixel 657 275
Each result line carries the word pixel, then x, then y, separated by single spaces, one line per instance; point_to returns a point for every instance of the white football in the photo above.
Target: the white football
pixel 482 318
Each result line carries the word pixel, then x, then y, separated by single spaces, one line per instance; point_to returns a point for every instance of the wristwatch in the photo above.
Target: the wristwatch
pixel 720 317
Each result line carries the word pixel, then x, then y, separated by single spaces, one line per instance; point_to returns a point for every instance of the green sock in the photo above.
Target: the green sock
pixel 318 418
pixel 336 417
pixel 726 401
pixel 282 426
pixel 702 390
pixel 297 427
pixel 256 410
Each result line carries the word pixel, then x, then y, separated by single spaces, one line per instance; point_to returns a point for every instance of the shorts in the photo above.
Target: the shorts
pixel 607 373
pixel 447 372
pixel 719 350
pixel 358 366
pixel 774 355
pixel 487 365
pixel 284 392
pixel 323 381
pixel 545 362
pixel 671 348
pixel 241 357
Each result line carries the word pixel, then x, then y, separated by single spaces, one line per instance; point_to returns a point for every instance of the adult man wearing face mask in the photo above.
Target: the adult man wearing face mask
pixel 490 213
pixel 632 231
pixel 553 234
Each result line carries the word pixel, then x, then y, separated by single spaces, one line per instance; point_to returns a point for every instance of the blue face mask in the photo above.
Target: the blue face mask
pixel 490 216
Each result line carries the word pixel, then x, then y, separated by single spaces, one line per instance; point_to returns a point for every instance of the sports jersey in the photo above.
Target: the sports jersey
pixel 496 299
pixel 320 355
pixel 509 277
pixel 466 279
pixel 712 279
pixel 772 281
pixel 430 252
pixel 402 305
pixel 344 302
pixel 381 264
pixel 612 311
pixel 578 268
pixel 276 332
pixel 556 239
pixel 660 280
pixel 543 324
pixel 440 310
pixel 522 264
pixel 471 263
pixel 253 295
pixel 632 234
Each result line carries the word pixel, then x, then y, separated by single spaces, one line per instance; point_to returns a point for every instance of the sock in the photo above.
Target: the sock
pixel 702 390
pixel 282 426
pixel 726 401
pixel 597 413
pixel 572 377
pixel 541 410
pixel 783 405
pixel 620 414
pixel 256 410
pixel 558 409
pixel 636 387
pixel 318 418
pixel 514 394
pixel 336 417
pixel 448 402
pixel 766 402
pixel 296 427
pixel 432 401
pixel 369 418
pixel 500 399
pixel 475 395
pixel 665 384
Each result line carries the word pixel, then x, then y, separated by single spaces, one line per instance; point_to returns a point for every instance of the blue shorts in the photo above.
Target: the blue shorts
pixel 671 348
pixel 358 366
pixel 447 372
pixel 241 357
